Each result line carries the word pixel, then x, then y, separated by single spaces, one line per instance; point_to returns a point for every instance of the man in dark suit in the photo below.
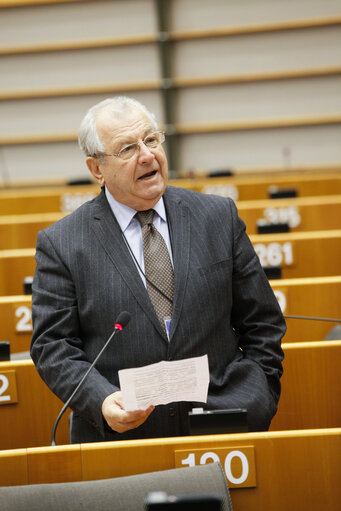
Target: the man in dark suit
pixel 90 267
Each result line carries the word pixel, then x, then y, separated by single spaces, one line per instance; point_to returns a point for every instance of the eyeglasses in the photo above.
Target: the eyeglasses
pixel 151 141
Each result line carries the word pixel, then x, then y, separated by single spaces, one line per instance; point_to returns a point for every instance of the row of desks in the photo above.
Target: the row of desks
pixel 240 188
pixel 302 214
pixel 311 389
pixel 299 254
pixel 296 470
pixel 317 297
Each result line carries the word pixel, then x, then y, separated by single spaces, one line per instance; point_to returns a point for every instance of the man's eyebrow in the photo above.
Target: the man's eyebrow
pixel 119 142
pixel 127 139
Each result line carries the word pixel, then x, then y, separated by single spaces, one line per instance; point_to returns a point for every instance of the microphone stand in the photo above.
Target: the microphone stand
pixel 118 327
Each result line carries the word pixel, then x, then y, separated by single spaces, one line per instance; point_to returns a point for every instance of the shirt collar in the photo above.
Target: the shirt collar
pixel 124 214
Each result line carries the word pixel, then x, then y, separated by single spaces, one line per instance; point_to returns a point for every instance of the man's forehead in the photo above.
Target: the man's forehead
pixel 116 128
pixel 127 118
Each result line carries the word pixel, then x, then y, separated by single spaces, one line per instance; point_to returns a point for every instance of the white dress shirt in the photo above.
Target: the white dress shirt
pixel 131 228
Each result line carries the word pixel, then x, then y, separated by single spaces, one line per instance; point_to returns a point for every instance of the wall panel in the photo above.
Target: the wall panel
pixel 200 14
pixel 259 100
pixel 282 147
pixel 77 68
pixel 258 53
pixel 56 23
pixel 60 114
pixel 42 163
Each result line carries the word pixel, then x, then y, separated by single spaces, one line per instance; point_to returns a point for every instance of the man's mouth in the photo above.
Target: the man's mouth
pixel 147 175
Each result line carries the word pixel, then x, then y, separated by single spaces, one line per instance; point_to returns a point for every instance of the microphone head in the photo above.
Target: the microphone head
pixel 122 320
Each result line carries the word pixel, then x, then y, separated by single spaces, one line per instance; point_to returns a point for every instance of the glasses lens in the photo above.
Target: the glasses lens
pixel 153 140
pixel 128 151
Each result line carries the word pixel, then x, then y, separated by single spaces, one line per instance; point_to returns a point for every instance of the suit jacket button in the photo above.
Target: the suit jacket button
pixel 172 412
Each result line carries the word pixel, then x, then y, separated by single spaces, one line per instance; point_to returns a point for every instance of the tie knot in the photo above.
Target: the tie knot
pixel 145 217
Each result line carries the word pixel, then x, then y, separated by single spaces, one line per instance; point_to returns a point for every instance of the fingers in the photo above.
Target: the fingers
pixel 118 418
pixel 132 420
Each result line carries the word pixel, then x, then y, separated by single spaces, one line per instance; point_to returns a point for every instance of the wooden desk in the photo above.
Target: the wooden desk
pixel 15 265
pixel 311 386
pixel 20 231
pixel 301 254
pixel 315 296
pixel 16 322
pixel 45 199
pixel 311 389
pixel 293 469
pixel 301 214
pixel 27 418
pixel 240 187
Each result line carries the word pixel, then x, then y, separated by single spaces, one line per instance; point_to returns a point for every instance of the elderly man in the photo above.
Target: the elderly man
pixel 163 254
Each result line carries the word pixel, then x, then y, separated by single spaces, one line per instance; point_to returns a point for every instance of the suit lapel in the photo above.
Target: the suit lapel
pixel 109 235
pixel 178 217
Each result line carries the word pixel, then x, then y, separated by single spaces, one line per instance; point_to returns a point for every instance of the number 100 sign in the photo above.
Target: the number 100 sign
pixel 238 463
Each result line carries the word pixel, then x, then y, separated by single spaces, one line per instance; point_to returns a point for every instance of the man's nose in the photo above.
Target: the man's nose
pixel 145 154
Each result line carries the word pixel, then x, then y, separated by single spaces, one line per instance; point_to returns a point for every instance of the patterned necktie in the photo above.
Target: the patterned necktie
pixel 158 267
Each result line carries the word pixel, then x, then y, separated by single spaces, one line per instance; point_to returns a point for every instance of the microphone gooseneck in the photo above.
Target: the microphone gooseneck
pixel 121 321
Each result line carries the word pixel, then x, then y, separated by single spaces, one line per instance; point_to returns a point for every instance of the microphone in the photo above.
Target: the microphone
pixel 121 321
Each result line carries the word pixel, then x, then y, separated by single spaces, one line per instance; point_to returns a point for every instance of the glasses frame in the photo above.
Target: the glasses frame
pixel 138 144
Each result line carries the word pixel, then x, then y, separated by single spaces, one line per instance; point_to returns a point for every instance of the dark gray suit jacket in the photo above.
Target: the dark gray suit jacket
pixel 223 306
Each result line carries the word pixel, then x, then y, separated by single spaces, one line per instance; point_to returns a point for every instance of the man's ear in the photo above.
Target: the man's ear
pixel 94 167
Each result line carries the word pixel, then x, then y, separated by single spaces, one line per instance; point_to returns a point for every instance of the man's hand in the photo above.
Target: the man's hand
pixel 118 418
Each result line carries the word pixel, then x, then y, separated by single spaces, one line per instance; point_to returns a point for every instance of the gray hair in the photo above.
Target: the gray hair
pixel 88 138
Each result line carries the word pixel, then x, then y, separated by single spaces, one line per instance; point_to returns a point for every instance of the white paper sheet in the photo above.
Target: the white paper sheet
pixel 165 382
